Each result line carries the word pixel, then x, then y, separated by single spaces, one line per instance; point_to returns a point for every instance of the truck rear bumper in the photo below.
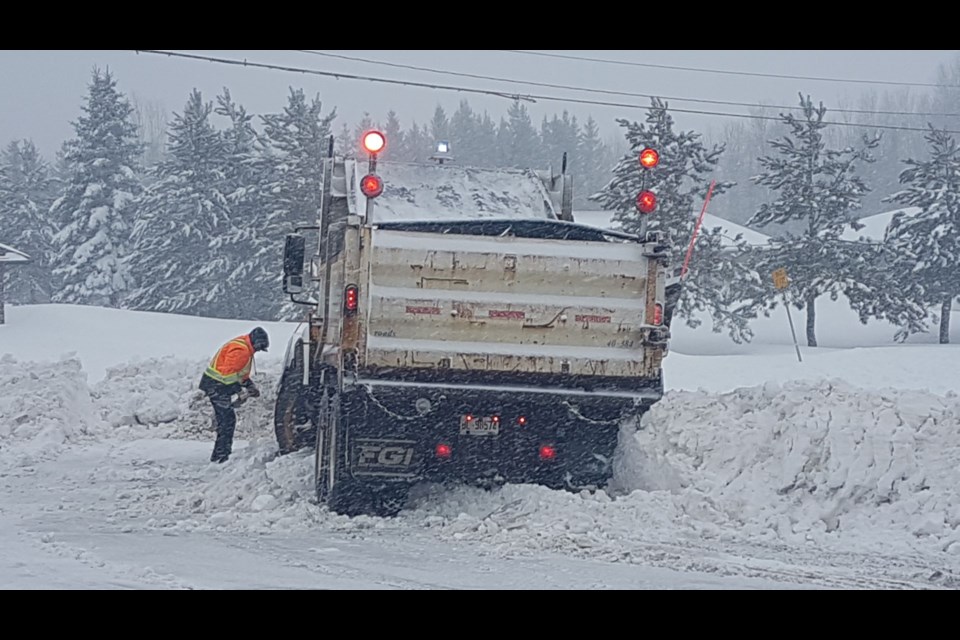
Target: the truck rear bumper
pixel 411 431
pixel 640 395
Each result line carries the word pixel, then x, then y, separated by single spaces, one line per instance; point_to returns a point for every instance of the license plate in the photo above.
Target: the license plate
pixel 479 426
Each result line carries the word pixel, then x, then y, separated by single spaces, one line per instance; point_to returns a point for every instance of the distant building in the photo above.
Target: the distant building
pixel 875 226
pixel 8 255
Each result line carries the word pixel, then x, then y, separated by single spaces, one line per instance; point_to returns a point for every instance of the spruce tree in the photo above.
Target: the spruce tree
pixel 819 190
pixel 439 127
pixel 296 144
pixel 464 133
pixel 926 247
pixel 720 277
pixel 520 142
pixel 394 134
pixel 589 165
pixel 179 258
pixel 96 209
pixel 559 135
pixel 26 191
pixel 486 145
pixel 249 186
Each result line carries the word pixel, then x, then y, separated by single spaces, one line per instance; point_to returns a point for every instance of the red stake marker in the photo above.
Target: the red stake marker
pixel 696 230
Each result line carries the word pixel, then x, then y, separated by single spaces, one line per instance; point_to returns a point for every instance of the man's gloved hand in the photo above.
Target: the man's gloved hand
pixel 252 391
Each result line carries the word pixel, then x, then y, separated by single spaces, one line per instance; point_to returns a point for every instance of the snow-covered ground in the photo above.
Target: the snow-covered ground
pixel 755 471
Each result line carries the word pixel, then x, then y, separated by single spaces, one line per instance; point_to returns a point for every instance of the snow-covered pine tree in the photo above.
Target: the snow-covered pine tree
pixel 366 124
pixel 744 142
pixel 486 145
pixel 417 144
pixel 297 141
pixel 589 165
pixel 464 125
pixel 96 208
pixel 439 127
pixel 720 278
pixel 250 184
pixel 345 142
pixel 558 135
pixel 820 189
pixel 520 143
pixel 926 247
pixel 25 197
pixel 178 257
pixel 394 134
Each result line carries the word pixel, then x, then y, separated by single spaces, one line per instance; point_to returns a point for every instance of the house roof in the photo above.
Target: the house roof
pixel 875 226
pixel 9 254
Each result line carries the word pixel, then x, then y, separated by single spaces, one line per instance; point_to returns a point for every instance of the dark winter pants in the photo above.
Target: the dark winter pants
pixel 226 419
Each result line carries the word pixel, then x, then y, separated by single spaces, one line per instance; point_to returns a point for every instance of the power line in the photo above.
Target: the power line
pixel 535 83
pixel 529 97
pixel 728 72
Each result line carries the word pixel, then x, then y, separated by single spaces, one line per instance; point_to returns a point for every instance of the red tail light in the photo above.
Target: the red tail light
pixel 371 185
pixel 522 420
pixel 444 450
pixel 547 452
pixel 351 297
pixel 658 314
pixel 495 419
pixel 646 201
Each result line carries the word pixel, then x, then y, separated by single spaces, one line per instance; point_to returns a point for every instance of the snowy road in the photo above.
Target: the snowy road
pixel 81 535
pixel 106 516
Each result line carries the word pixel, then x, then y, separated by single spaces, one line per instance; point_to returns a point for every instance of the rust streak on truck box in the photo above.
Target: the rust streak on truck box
pixel 509 315
pixel 580 317
pixel 651 292
pixel 423 311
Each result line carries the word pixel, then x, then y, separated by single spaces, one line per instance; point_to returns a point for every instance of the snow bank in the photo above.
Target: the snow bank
pixel 42 407
pixel 809 461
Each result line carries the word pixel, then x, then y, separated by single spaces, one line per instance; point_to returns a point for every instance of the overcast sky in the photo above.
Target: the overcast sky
pixel 43 90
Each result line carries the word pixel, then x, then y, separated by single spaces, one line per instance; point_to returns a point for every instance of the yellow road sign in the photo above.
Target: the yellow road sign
pixel 780 279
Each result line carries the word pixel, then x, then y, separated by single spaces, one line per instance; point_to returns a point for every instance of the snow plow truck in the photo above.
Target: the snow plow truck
pixel 463 327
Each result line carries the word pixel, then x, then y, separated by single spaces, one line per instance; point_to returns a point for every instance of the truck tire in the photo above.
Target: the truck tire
pixel 322 462
pixel 346 495
pixel 595 469
pixel 290 415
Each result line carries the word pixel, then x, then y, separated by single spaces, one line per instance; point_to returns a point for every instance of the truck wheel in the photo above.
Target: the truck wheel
pixel 594 466
pixel 325 458
pixel 346 495
pixel 290 417
pixel 354 498
pixel 335 487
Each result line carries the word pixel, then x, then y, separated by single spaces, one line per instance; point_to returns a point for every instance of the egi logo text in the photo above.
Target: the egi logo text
pixel 391 454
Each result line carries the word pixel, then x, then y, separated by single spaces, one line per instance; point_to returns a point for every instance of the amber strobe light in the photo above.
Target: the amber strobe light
pixel 373 142
pixel 649 158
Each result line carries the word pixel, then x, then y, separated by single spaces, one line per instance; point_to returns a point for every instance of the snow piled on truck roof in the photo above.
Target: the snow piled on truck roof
pixel 434 192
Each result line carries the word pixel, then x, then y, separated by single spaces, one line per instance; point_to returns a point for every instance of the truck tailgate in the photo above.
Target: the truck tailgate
pixel 509 304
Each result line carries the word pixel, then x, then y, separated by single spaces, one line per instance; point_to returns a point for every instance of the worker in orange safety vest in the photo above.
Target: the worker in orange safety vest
pixel 228 375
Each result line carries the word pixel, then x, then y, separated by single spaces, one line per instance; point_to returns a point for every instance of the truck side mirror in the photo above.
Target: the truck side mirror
pixel 293 252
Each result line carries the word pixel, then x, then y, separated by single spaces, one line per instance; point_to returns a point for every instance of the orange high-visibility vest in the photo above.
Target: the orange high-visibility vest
pixel 233 362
